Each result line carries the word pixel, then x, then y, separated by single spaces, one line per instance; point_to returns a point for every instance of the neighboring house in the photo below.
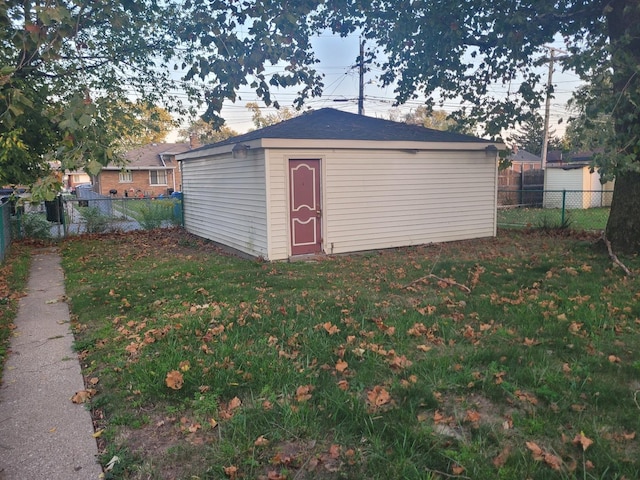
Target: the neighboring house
pixel 334 182
pixel 522 161
pixel 152 170
pixel 573 174
pixel 72 179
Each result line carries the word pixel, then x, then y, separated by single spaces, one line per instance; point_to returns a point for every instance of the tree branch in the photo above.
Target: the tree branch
pixel 615 258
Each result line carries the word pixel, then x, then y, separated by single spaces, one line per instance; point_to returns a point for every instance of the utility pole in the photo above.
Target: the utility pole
pixel 547 105
pixel 361 72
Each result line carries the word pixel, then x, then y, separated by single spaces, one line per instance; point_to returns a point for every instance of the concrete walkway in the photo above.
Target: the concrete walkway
pixel 43 435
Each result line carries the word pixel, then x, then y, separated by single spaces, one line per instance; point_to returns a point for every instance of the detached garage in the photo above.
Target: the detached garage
pixel 334 182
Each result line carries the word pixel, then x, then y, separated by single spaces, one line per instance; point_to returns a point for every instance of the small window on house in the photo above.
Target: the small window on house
pixel 125 177
pixel 158 177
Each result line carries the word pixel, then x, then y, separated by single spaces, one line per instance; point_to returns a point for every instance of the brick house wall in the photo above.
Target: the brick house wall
pixel 140 185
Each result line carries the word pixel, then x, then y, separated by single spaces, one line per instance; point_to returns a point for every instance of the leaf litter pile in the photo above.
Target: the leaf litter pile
pixel 511 357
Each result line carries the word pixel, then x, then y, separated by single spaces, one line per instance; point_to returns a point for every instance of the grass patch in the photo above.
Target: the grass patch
pixel 13 280
pixel 575 219
pixel 367 366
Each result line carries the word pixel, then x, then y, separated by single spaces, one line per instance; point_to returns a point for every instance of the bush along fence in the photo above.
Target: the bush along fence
pixel 552 209
pixel 5 229
pixel 93 213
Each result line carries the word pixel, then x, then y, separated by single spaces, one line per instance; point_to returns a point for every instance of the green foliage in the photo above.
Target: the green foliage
pixel 205 133
pixel 530 135
pixel 156 213
pixel 31 225
pixel 435 119
pixel 95 221
pixel 260 120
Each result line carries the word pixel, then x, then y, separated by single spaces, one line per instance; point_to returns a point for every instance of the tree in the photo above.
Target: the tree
pixel 146 124
pixel 205 133
pixel 64 68
pixel 460 49
pixel 67 65
pixel 59 59
pixel 434 119
pixel 530 136
pixel 260 120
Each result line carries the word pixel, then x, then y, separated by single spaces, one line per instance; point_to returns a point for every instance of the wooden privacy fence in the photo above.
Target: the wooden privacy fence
pixel 520 188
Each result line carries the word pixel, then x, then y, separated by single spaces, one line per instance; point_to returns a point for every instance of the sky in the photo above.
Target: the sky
pixel 338 56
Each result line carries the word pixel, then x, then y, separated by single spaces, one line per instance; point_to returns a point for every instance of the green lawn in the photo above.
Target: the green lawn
pixel 577 219
pixel 14 273
pixel 509 358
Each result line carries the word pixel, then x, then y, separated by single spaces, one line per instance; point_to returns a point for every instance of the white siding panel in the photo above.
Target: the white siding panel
pixel 380 199
pixel 277 206
pixel 556 180
pixel 225 201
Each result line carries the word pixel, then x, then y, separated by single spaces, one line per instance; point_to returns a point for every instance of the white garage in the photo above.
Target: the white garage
pixel 329 182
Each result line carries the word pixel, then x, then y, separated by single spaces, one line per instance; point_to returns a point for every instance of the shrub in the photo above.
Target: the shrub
pixel 156 212
pixel 95 220
pixel 31 225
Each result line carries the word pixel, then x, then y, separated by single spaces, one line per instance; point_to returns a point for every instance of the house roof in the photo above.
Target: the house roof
pixel 522 156
pixel 152 156
pixel 331 124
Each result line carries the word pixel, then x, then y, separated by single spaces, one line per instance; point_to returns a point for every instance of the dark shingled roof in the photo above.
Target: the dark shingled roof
pixel 331 124
pixel 149 156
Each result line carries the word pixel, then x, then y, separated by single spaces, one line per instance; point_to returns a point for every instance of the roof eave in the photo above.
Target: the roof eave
pixel 324 144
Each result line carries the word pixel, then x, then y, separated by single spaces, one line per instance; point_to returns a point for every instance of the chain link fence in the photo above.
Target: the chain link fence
pixel 93 213
pixel 574 209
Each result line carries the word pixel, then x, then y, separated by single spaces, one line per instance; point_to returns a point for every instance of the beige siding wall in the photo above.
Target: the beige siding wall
pixel 277 212
pixel 225 201
pixel 379 199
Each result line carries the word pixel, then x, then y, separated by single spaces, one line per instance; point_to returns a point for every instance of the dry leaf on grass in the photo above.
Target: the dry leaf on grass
pixel 174 380
pixel 583 441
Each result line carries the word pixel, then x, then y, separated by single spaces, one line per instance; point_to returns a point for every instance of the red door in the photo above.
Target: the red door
pixel 305 214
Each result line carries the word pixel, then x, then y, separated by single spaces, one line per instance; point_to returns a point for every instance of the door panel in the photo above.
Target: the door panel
pixel 306 212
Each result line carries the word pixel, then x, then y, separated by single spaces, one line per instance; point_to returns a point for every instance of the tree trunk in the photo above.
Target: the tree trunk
pixel 623 24
pixel 623 227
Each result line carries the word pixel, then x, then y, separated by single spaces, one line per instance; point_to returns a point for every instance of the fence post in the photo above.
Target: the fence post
pixel 2 232
pixel 564 199
pixel 182 208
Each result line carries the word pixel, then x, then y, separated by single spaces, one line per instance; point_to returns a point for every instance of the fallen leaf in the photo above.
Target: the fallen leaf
pixel 98 433
pixel 330 328
pixel 378 396
pixel 303 393
pixel 185 365
pixel 234 403
pixel 502 457
pixel 457 470
pixel 343 385
pixel 174 380
pixel 231 472
pixel 112 463
pixel 81 396
pixel 261 441
pixel 582 440
pixel 535 450
pixel 341 366
pixel 473 416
